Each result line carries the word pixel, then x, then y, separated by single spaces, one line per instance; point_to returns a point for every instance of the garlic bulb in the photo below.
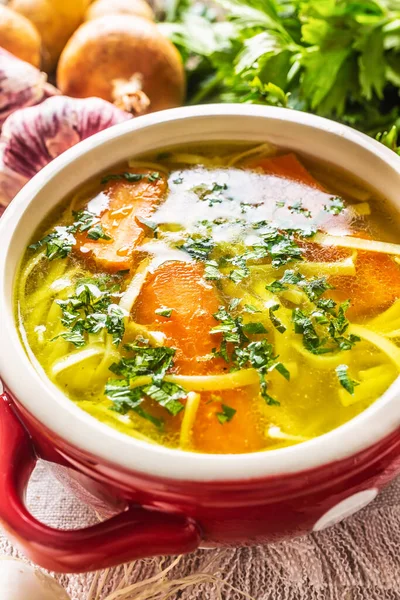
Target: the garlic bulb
pixel 33 136
pixel 21 85
pixel 19 581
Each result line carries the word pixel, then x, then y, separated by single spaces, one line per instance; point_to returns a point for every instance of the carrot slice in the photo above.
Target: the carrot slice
pixel 127 203
pixel 241 434
pixel 375 287
pixel 288 166
pixel 181 286
pixel 193 300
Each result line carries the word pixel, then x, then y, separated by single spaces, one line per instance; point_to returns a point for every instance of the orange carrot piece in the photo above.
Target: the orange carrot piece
pixel 375 287
pixel 181 286
pixel 288 166
pixel 120 220
pixel 242 434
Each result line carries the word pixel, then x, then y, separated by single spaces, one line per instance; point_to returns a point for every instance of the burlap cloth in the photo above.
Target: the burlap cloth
pixel 357 559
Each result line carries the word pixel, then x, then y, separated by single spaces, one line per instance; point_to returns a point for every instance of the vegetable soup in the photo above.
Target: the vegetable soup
pixel 223 299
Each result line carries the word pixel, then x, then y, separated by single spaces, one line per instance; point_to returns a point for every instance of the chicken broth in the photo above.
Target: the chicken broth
pixel 221 300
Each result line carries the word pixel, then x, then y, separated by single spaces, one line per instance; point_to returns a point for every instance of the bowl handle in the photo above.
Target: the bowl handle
pixel 136 533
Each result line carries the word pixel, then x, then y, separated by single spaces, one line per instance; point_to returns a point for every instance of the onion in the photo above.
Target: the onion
pixel 115 56
pixel 20 85
pixel 32 137
pixel 139 8
pixel 19 36
pixel 19 581
pixel 56 20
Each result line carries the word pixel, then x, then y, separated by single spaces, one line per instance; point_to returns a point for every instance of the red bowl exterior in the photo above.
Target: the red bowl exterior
pixel 228 513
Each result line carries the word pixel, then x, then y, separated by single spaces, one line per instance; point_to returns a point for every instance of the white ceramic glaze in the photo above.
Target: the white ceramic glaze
pixel 321 138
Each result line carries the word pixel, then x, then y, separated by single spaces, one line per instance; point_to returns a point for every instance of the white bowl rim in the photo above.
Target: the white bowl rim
pixel 110 446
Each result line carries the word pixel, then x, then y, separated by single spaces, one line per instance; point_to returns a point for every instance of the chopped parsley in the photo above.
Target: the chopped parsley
pixel 226 415
pixel 211 271
pixel 213 195
pixel 234 303
pixel 90 310
pixel 245 353
pixel 198 248
pixel 335 206
pixel 342 372
pixel 131 177
pixel 298 208
pixel 249 308
pixel 142 361
pixel 164 312
pixel 277 323
pixel 149 224
pixel 59 243
pixel 254 328
pixel 178 180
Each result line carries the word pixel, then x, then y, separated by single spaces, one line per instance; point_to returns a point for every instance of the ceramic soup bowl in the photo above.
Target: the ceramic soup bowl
pixel 159 500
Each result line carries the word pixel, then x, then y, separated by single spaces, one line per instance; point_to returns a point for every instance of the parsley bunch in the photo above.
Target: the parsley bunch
pixel 337 58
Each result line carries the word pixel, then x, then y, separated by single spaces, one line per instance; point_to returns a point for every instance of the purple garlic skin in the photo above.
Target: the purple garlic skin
pixel 32 137
pixel 21 85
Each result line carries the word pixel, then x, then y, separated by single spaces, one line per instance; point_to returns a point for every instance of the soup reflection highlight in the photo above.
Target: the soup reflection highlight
pixel 217 304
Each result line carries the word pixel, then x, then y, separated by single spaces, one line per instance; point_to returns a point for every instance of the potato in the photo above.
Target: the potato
pixel 56 20
pixel 19 36
pixel 138 8
pixel 106 56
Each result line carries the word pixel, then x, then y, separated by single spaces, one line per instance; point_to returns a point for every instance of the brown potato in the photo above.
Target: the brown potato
pixel 56 20
pixel 138 8
pixel 103 55
pixel 19 36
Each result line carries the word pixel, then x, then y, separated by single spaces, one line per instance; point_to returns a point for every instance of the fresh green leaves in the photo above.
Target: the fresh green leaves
pixel 335 206
pixel 276 322
pixel 245 353
pixel 342 372
pixel 226 415
pixel 214 194
pixel 131 177
pixel 164 312
pixel 59 243
pixel 338 59
pixel 198 247
pixel 144 361
pixel 90 310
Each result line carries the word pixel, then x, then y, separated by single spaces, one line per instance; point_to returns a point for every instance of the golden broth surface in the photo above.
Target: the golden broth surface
pixel 228 263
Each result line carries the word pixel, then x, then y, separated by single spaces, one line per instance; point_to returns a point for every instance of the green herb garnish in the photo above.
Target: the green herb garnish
pixel 59 243
pixel 226 415
pixel 164 312
pixel 142 361
pixel 198 247
pixel 277 323
pixel 345 380
pixel 211 271
pixel 335 207
pixel 91 310
pixel 254 328
pixel 131 177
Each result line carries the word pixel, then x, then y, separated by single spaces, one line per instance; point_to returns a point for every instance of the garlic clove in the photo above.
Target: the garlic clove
pixel 20 581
